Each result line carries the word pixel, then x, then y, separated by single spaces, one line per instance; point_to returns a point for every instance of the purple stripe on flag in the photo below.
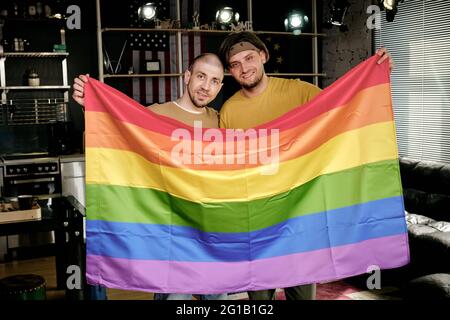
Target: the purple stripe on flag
pixel 218 277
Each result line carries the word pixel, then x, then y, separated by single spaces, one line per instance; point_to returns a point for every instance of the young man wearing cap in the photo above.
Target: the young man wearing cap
pixel 260 100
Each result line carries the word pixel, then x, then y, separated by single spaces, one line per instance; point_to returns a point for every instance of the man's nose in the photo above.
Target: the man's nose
pixel 205 85
pixel 244 67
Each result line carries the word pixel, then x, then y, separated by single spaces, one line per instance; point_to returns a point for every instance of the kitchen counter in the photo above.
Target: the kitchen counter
pixel 72 157
pixel 64 216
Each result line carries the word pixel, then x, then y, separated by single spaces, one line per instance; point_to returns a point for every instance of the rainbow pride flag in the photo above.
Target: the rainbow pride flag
pixel 174 208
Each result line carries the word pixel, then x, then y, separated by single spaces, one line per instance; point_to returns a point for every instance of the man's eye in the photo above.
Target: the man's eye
pixel 249 58
pixel 234 65
pixel 200 76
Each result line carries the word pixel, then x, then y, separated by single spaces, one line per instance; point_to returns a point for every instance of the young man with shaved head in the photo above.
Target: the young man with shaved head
pixel 202 83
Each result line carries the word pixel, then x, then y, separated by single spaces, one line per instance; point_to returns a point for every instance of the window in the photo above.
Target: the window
pixel 418 40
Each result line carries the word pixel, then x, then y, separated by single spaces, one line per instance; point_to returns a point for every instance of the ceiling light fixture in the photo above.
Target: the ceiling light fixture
pixel 295 22
pixel 147 12
pixel 226 16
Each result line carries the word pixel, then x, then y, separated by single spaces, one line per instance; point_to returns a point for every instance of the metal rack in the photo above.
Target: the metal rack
pixel 33 110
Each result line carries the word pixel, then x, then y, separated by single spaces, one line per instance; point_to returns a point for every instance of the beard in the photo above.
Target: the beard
pixel 252 84
pixel 196 103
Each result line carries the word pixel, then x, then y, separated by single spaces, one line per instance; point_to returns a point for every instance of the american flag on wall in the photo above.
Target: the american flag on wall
pixel 163 47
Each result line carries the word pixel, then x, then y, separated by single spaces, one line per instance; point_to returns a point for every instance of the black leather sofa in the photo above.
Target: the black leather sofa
pixel 426 192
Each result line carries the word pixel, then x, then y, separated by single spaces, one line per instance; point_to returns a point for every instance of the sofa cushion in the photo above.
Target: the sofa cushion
pixel 412 218
pixel 433 286
pixel 429 243
pixel 429 176
pixel 430 252
pixel 426 187
pixel 418 224
pixel 436 206
pixel 416 230
pixel 442 226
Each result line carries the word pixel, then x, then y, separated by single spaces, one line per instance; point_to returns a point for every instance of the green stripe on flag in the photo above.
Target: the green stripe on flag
pixel 379 180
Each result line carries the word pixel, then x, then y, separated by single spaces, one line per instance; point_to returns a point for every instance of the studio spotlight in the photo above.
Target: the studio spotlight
pixel 226 16
pixel 295 22
pixel 337 16
pixel 147 12
pixel 391 8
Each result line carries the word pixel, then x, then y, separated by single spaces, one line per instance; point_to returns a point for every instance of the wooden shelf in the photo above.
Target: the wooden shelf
pixel 34 55
pixel 35 88
pixel 152 75
pixel 304 34
pixel 209 31
pixel 297 74
pixel 38 20
pixel 140 75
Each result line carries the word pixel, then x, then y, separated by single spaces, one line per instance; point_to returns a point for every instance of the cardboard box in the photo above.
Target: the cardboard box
pixel 20 215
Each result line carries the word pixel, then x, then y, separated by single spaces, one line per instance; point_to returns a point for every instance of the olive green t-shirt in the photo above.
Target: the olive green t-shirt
pixel 208 116
pixel 281 96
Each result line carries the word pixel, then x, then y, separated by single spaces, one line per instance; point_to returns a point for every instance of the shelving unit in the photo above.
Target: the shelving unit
pixel 33 110
pixel 35 88
pixel 34 55
pixel 179 74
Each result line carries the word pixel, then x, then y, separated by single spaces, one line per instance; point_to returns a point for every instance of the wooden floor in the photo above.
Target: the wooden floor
pixel 45 267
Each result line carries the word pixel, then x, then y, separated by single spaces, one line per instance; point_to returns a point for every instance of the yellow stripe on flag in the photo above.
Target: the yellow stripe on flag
pixel 351 149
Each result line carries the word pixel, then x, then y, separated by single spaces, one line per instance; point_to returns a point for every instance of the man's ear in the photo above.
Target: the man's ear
pixel 187 77
pixel 264 56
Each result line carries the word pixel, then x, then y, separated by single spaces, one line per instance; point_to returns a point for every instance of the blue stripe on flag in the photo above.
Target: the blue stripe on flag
pixel 333 228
